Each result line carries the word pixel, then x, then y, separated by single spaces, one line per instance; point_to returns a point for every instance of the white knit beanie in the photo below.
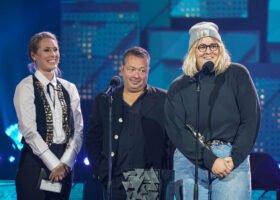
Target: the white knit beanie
pixel 203 29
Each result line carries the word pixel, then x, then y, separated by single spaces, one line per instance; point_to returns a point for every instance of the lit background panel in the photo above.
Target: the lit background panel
pixel 273 21
pixel 273 31
pixel 243 46
pixel 269 138
pixel 167 50
pixel 93 38
pixel 209 8
pixel 8 190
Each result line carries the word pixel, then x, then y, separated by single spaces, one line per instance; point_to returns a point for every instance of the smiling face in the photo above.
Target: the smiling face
pixel 135 73
pixel 47 55
pixel 208 54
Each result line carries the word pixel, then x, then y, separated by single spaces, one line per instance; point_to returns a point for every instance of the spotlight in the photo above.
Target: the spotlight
pixel 86 161
pixel 11 159
pixel 15 135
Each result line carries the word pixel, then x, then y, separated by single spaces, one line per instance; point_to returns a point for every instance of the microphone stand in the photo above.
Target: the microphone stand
pixel 114 82
pixel 109 186
pixel 195 194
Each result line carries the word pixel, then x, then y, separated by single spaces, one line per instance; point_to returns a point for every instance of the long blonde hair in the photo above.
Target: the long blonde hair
pixel 223 62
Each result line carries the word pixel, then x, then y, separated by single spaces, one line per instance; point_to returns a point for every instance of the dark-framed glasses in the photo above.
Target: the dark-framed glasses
pixel 212 47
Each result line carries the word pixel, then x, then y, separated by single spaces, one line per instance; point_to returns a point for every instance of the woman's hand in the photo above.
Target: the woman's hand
pixel 220 168
pixel 59 172
pixel 229 162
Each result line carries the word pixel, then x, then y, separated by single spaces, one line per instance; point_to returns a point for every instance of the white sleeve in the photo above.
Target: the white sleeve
pixel 26 114
pixel 76 141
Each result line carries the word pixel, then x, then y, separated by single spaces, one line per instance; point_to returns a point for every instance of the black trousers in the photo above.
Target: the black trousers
pixel 28 174
pixel 118 191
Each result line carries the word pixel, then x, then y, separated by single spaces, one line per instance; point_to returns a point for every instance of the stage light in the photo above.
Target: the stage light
pixel 86 161
pixel 13 133
pixel 11 159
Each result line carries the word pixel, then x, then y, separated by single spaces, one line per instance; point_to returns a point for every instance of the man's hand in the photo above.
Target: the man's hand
pixel 59 172
pixel 220 168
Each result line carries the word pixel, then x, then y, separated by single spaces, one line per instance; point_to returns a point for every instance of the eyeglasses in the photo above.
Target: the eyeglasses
pixel 212 47
pixel 132 70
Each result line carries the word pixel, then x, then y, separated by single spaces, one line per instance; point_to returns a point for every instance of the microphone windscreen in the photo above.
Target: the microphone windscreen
pixel 208 67
pixel 115 81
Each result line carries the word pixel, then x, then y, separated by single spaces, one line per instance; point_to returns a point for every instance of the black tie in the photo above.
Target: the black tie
pixel 48 91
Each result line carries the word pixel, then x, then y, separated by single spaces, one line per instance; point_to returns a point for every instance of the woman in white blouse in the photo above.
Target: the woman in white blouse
pixel 50 120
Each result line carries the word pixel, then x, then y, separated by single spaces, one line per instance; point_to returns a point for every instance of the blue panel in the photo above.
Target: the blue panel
pixel 244 46
pixel 167 49
pixel 164 73
pixel 93 42
pixel 269 195
pixel 273 33
pixel 168 44
pixel 154 13
pixel 267 81
pixel 209 8
pixel 274 52
pixel 269 138
pixel 8 190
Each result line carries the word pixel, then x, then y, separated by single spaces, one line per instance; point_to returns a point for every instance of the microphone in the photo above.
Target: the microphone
pixel 114 83
pixel 207 68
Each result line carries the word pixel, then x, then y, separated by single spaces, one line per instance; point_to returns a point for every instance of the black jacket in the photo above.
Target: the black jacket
pixel 229 111
pixel 156 140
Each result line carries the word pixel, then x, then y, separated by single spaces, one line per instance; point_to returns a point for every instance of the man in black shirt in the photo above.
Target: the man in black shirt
pixel 139 139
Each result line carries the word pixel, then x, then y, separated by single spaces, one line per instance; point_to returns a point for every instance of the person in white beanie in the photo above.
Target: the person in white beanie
pixel 229 119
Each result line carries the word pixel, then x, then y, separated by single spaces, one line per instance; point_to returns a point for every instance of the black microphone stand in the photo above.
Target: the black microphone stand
pixel 114 82
pixel 195 194
pixel 206 69
pixel 109 186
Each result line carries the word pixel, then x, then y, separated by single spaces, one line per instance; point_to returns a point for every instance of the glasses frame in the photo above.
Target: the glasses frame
pixel 212 47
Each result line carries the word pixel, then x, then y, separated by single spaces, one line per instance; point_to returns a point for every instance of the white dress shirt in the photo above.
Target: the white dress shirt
pixel 26 113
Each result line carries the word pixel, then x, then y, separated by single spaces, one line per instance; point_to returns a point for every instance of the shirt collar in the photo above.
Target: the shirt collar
pixel 44 80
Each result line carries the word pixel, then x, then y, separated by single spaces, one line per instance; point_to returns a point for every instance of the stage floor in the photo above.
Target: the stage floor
pixel 8 192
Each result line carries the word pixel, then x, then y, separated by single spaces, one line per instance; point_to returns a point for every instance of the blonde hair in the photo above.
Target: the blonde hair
pixel 189 66
pixel 34 46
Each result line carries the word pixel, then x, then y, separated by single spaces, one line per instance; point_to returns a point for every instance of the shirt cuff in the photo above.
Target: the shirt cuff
pixel 209 159
pixel 69 158
pixel 236 158
pixel 49 159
